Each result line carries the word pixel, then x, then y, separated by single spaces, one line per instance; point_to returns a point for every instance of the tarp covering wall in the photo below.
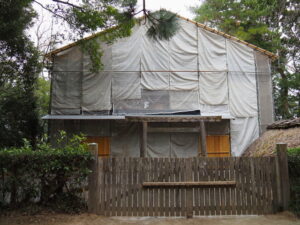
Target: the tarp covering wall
pixel 195 70
pixel 264 81
pixel 96 94
pixel 66 86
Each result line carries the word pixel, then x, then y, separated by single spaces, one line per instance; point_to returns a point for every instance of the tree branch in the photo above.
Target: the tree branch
pixel 68 3
pixel 40 4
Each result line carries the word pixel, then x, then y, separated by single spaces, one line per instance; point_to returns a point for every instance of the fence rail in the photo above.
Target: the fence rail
pixel 117 186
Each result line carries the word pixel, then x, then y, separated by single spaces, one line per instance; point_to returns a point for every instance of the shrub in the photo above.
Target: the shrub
pixel 46 175
pixel 294 174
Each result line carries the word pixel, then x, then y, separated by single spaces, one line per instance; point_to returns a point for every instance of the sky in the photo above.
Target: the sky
pixel 43 23
pixel 180 7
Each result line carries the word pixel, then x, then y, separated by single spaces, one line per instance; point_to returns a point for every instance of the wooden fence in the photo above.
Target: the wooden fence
pixel 188 187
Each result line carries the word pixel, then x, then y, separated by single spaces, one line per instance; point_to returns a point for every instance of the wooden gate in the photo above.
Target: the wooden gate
pixel 183 187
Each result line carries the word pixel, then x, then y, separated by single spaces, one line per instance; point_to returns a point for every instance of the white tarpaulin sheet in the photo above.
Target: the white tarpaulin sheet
pixel 212 51
pixel 125 140
pixel 126 52
pixel 183 100
pixel 243 132
pixel 241 80
pixel 95 94
pixel 214 109
pixel 213 88
pixel 155 57
pixel 242 94
pixel 66 81
pixel 126 85
pixel 172 145
pixel 183 57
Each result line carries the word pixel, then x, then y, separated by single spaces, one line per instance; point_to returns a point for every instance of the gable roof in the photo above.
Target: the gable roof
pixel 271 55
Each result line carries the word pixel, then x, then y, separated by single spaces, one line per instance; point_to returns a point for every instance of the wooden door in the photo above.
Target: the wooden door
pixel 218 146
pixel 103 145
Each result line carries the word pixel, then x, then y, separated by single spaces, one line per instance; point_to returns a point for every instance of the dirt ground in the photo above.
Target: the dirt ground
pixel 285 218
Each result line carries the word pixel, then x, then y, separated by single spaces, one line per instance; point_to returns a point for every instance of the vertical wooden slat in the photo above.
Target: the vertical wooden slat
pixel 102 187
pixel 227 189
pixel 274 185
pixel 134 187
pixel 177 190
pixel 127 187
pixel 223 189
pixel 123 186
pixel 283 175
pixel 234 190
pixel 195 166
pixel 269 189
pixel 113 187
pixel 103 194
pixel 264 185
pixel 172 190
pixel 92 179
pixel 218 189
pixel 110 188
pixel 239 201
pixel 167 191
pixel 161 177
pixel 107 188
pixel 141 174
pixel 120 185
pixel 258 186
pixel 130 187
pixel 269 186
pixel 243 189
pixel 209 191
pixel 247 174
pixel 98 187
pixel 203 175
pixel 156 192
pixel 106 184
pixel 253 187
pixel 117 187
pixel 145 177
pixel 151 191
pixel 189 191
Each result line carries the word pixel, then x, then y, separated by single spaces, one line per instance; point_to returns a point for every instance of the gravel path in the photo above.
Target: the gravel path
pixel 285 218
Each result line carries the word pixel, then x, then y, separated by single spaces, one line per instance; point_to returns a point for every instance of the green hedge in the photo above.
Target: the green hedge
pixel 46 176
pixel 294 174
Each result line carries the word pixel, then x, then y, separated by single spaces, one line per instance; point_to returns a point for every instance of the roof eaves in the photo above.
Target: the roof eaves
pixel 268 53
pixel 271 55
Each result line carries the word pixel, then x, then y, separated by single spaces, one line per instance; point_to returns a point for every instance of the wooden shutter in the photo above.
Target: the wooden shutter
pixel 218 145
pixel 103 145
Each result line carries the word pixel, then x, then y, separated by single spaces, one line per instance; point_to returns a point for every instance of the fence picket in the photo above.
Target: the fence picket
pixel 117 186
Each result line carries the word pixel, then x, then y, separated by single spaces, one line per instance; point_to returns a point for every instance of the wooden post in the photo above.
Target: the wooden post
pixel 144 139
pixel 92 179
pixel 203 139
pixel 283 176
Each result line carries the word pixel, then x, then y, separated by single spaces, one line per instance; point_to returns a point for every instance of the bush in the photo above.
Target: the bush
pixel 45 176
pixel 294 174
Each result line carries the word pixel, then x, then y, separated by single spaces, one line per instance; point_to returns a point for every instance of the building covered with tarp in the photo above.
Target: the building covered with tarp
pixel 164 98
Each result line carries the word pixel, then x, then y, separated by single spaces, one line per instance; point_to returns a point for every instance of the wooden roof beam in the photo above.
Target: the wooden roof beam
pixel 173 118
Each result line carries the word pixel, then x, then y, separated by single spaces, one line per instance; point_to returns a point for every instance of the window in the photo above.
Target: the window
pixel 218 146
